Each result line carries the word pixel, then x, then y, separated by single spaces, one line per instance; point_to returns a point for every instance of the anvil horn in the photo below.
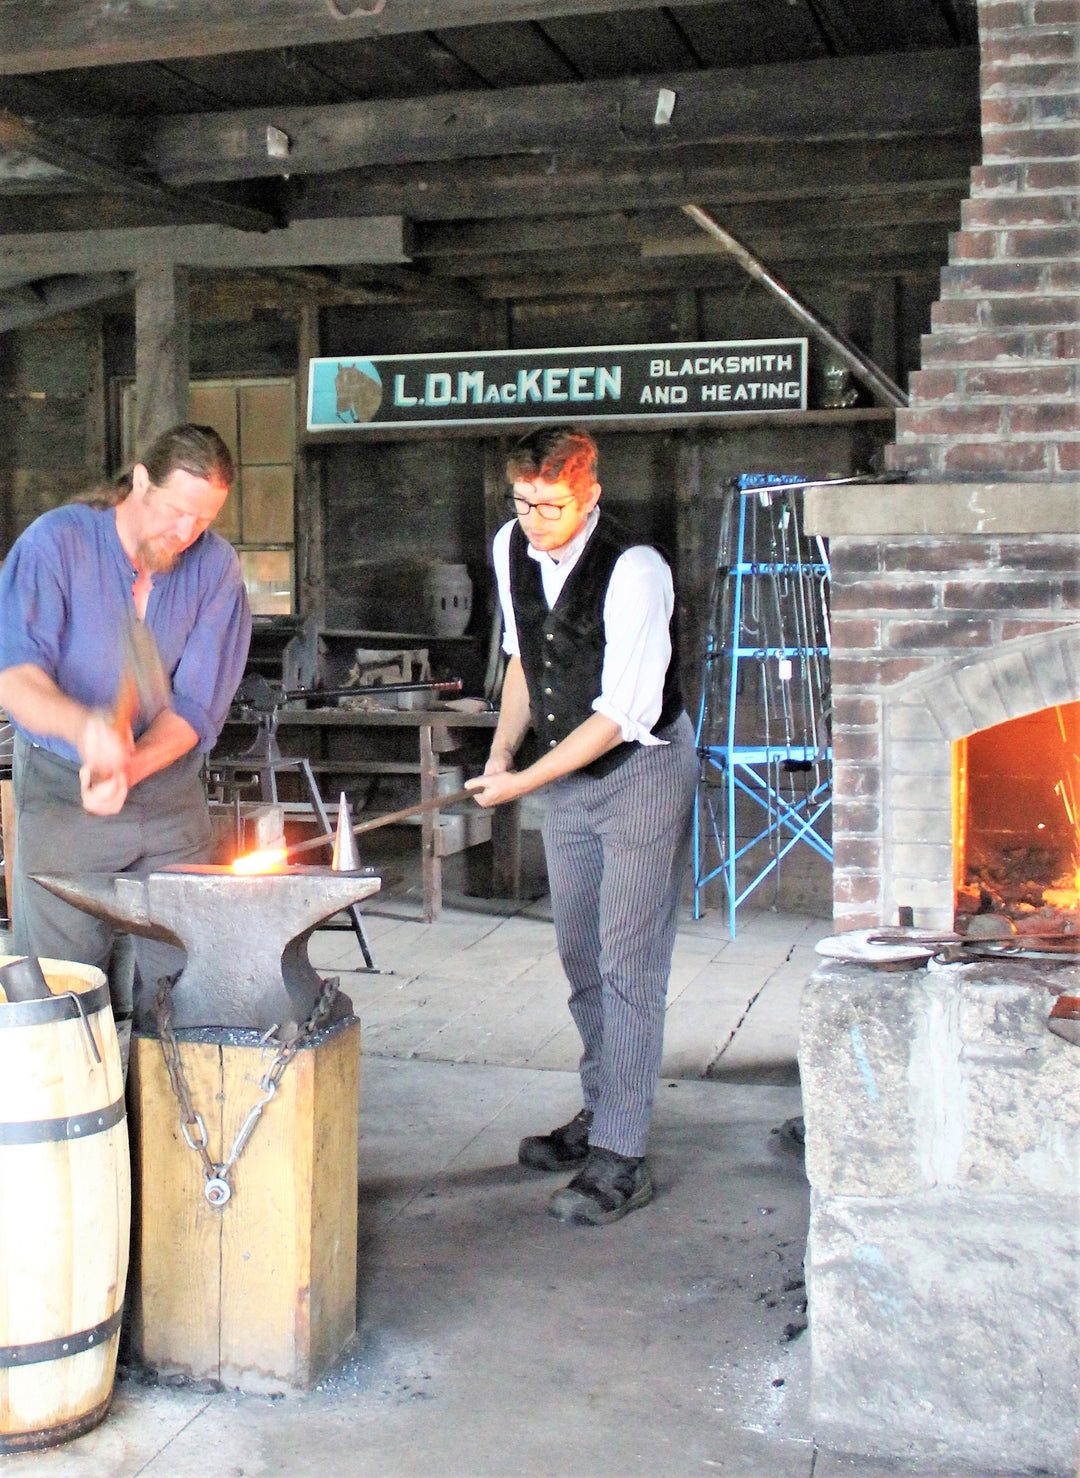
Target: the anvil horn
pixel 116 898
pixel 245 934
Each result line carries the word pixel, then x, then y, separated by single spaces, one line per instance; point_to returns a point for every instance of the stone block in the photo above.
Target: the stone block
pixel 942 1078
pixel 944 1328
pixel 926 757
pixel 921 824
pixel 855 1042
pixel 978 688
pixel 914 721
pixel 921 860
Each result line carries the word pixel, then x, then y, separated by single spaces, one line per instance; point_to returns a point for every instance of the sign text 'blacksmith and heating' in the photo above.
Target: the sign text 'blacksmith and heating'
pixel 638 380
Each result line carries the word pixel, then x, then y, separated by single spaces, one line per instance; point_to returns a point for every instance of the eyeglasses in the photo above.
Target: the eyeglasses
pixel 522 506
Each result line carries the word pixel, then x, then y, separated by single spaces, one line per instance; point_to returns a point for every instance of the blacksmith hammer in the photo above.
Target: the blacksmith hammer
pixel 245 935
pixel 143 685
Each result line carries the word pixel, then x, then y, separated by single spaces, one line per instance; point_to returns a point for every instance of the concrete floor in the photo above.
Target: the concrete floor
pixel 494 1340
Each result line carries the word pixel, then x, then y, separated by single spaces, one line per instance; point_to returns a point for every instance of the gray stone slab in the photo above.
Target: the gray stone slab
pixel 916 1079
pixel 946 1329
pixel 944 508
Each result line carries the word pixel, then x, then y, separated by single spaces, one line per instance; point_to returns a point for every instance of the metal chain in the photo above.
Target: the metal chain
pixel 218 1189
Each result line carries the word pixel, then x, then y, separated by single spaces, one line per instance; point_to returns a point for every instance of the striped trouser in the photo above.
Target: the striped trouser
pixel 617 851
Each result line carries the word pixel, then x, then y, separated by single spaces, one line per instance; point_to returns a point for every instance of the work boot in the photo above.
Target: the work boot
pixel 562 1149
pixel 606 1188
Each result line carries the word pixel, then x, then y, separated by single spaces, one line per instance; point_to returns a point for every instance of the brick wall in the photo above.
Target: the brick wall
pixel 998 397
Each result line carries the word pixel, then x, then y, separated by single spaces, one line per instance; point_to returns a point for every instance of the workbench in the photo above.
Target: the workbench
pixel 335 741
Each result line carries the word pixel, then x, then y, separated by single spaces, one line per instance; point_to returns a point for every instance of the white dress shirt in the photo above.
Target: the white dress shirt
pixel 637 612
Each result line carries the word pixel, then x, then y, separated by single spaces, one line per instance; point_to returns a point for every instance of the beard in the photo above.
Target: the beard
pixel 155 557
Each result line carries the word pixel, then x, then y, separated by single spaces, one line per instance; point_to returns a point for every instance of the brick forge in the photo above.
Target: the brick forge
pixel 942 1125
pixel 955 595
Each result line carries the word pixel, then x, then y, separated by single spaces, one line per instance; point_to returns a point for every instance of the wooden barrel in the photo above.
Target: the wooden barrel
pixel 64 1208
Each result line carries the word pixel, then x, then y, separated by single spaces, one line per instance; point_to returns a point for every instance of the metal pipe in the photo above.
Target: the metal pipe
pixel 859 364
pixel 375 690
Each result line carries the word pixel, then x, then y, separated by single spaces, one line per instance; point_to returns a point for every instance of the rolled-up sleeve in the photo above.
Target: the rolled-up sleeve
pixel 212 664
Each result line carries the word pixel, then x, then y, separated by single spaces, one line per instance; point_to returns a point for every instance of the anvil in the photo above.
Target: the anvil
pixel 245 934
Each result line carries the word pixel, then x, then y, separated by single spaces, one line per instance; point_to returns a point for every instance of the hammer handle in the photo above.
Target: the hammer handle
pixel 125 709
pixel 437 803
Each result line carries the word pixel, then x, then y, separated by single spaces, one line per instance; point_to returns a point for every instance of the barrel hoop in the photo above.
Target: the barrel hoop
pixel 62 1432
pixel 13 1356
pixel 78 1126
pixel 60 1008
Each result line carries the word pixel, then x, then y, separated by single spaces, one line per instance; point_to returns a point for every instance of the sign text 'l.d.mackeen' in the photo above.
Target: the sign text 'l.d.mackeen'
pixel 523 385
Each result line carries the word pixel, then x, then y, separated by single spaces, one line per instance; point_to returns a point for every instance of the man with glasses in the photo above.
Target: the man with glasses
pixel 593 669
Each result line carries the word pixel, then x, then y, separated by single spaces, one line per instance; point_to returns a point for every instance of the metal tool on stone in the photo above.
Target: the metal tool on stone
pixel 1064 1020
pixel 245 934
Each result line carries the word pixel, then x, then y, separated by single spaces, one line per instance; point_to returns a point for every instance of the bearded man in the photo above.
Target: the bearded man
pixel 96 790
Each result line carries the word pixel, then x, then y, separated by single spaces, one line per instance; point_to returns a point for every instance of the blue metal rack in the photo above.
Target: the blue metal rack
pixel 762 732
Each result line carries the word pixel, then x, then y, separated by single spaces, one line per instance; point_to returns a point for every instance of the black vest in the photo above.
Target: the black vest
pixel 562 650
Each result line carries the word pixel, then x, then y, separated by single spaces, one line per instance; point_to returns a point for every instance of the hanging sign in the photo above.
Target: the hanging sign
pixel 525 385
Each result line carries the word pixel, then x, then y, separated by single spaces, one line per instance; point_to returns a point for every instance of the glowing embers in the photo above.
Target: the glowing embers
pixel 1066 890
pixel 268 859
pixel 1016 791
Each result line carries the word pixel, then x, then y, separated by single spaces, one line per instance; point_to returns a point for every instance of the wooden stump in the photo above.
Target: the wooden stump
pixel 261 1292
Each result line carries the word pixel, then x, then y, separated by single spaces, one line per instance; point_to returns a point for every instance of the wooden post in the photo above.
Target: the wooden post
pixel 693 577
pixel 260 1293
pixel 310 513
pixel 97 440
pixel 162 350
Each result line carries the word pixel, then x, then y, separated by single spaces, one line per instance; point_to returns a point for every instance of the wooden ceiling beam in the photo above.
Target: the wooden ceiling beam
pixel 28 304
pixel 768 176
pixel 826 248
pixel 664 232
pixel 50 35
pixel 701 273
pixel 24 137
pixel 866 97
pixel 28 256
pixel 506 189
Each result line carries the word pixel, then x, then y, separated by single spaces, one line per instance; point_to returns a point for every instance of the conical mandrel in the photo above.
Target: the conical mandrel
pixel 346 857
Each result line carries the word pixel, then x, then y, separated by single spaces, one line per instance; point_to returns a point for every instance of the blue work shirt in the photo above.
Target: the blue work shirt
pixel 66 599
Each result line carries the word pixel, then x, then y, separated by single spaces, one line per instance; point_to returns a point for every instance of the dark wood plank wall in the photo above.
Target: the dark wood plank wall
pixel 841 157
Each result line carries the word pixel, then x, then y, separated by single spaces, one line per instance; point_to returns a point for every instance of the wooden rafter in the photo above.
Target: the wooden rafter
pixel 890 96
pixel 48 35
pixel 26 257
pixel 505 190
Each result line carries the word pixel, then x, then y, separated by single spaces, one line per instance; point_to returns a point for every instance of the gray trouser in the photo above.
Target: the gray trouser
pixel 164 819
pixel 617 851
